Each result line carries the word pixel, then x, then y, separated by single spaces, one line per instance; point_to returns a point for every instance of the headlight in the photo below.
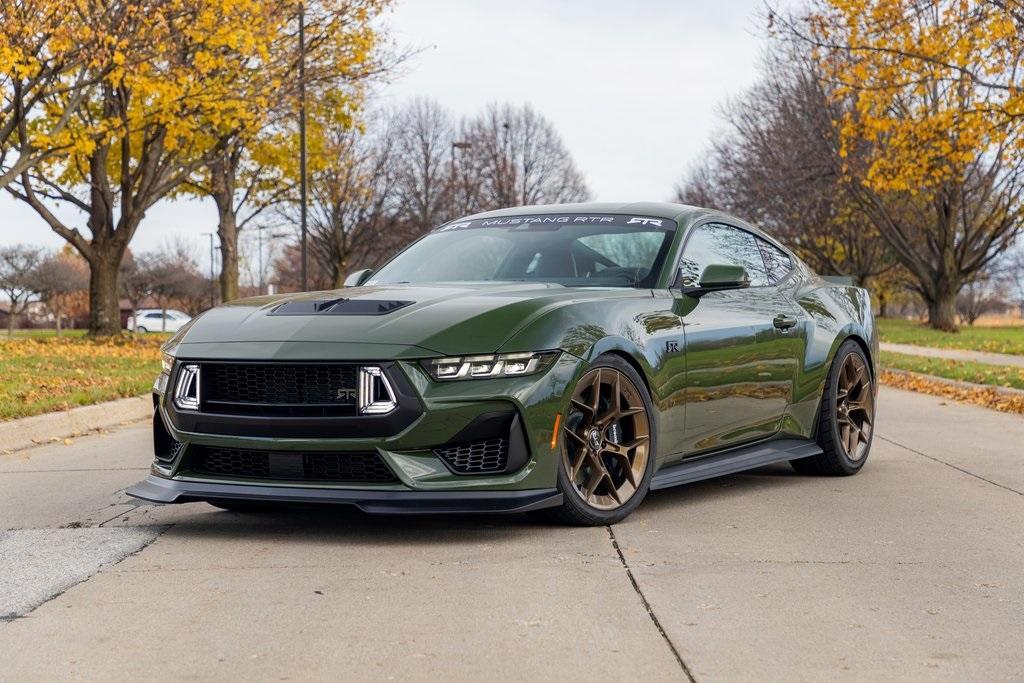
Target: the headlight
pixel 483 367
pixel 166 362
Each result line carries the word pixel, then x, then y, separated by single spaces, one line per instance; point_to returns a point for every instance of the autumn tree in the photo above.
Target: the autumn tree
pixel 171 73
pixel 17 266
pixel 255 163
pixel 777 162
pixel 51 60
pixel 61 281
pixel 935 137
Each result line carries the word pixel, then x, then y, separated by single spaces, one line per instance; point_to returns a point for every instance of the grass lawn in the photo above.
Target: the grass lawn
pixel 1004 339
pixel 40 373
pixel 41 333
pixel 979 373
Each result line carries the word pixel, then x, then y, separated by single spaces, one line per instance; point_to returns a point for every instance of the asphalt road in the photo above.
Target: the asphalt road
pixel 913 569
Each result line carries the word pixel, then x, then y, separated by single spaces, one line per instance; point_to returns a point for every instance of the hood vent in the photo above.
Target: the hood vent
pixel 340 306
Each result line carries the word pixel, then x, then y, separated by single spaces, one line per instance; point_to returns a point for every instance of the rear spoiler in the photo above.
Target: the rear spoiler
pixel 844 280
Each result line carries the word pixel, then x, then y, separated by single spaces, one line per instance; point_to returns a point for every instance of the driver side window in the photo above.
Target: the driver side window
pixel 716 243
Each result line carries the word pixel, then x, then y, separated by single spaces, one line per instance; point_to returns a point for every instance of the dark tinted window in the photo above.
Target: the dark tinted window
pixel 776 261
pixel 715 243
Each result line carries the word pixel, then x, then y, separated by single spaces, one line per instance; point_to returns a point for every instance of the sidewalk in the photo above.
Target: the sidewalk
pixel 956 354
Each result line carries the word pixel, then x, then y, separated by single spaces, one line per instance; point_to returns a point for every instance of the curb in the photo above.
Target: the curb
pixel 39 429
pixel 958 384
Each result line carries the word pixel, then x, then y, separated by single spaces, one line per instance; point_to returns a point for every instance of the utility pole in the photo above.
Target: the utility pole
pixel 213 281
pixel 302 147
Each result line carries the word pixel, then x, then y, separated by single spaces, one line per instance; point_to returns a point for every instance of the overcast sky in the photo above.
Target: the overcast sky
pixel 632 87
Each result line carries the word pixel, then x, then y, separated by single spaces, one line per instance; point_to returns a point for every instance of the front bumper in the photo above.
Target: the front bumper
pixel 160 490
pixel 423 481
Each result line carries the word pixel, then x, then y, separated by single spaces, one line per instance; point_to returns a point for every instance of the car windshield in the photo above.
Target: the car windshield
pixel 571 250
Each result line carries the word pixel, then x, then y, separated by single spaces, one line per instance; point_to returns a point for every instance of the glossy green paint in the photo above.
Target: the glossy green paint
pixel 719 372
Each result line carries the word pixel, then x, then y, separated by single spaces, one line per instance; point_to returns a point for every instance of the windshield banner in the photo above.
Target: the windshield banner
pixel 556 221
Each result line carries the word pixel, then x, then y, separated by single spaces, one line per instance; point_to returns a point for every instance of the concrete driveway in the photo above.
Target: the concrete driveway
pixel 913 569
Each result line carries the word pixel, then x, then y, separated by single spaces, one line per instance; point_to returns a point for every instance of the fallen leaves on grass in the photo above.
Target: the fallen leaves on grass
pixel 39 375
pixel 988 398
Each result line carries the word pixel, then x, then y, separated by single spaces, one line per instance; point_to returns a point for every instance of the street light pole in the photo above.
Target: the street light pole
pixel 302 147
pixel 259 235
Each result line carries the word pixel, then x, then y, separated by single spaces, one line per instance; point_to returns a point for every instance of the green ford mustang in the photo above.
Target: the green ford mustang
pixel 565 359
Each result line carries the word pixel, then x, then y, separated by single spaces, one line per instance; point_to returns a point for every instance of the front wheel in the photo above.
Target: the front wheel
pixel 847 416
pixel 141 330
pixel 607 446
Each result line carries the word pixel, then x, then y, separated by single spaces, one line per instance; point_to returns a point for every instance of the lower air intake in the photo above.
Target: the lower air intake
pixel 341 467
pixel 488 455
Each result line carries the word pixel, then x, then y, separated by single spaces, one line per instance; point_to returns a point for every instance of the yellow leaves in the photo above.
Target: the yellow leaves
pixel 912 70
pixel 58 373
pixel 986 397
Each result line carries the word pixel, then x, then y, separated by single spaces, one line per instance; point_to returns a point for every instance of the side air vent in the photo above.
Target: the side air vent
pixel 341 306
pixel 490 455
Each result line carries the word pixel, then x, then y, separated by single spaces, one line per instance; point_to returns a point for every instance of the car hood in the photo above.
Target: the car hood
pixel 430 319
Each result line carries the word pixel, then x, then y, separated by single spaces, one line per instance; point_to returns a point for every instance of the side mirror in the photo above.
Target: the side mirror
pixel 719 277
pixel 358 277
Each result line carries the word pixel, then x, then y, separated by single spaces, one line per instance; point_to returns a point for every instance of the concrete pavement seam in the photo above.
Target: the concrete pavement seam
pixel 647 606
pixel 952 466
pixel 160 530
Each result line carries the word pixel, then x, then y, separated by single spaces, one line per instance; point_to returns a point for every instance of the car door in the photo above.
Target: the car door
pixel 740 363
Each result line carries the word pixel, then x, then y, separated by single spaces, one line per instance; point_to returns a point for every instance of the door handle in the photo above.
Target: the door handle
pixel 784 322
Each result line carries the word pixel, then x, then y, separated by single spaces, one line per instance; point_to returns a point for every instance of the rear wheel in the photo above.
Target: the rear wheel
pixel 141 329
pixel 607 446
pixel 847 416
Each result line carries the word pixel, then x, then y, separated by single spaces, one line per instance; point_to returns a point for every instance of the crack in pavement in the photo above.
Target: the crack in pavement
pixel 951 466
pixel 647 606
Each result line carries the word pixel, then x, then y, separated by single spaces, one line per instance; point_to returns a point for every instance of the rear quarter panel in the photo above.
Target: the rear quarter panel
pixel 830 314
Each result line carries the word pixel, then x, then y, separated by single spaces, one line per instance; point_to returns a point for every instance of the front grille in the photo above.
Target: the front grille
pixel 356 467
pixel 279 389
pixel 489 455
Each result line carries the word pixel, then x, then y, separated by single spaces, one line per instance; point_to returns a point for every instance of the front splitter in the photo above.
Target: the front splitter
pixel 159 490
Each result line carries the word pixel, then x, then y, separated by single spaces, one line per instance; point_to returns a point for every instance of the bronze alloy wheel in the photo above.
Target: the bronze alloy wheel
pixel 607 439
pixel 855 408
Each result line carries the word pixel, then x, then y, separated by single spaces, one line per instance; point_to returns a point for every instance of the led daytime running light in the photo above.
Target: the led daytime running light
pixel 490 366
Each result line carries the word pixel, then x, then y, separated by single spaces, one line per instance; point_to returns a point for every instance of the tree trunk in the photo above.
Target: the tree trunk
pixel 942 312
pixel 58 323
pixel 228 234
pixel 222 188
pixel 104 312
pixel 10 321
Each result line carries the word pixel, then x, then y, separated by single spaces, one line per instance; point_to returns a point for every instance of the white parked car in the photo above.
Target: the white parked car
pixel 153 320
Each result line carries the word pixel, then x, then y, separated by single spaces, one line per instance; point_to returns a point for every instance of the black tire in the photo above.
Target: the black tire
pixel 835 459
pixel 141 329
pixel 574 510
